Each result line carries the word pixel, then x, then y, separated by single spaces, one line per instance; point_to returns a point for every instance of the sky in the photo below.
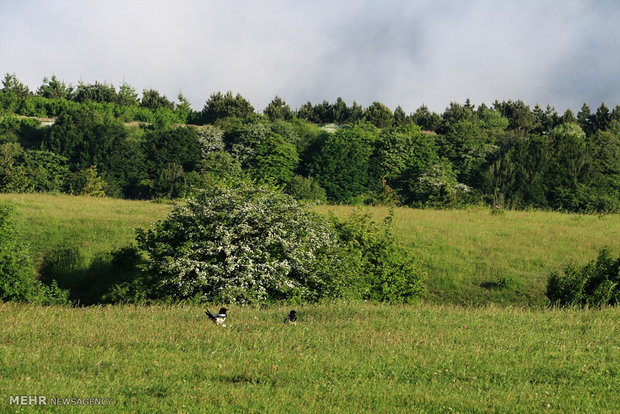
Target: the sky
pixel 409 53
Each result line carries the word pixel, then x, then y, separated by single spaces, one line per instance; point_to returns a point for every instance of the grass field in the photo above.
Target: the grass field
pixel 340 357
pixel 471 255
pixel 509 354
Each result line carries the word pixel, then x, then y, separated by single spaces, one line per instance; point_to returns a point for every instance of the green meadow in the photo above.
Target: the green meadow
pixel 471 256
pixel 340 357
pixel 481 340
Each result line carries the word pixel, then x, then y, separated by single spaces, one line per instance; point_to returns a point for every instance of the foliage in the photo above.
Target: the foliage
pixel 278 109
pixel 86 182
pixel 594 284
pixel 12 177
pixel 10 84
pixel 401 156
pixel 87 138
pixel 171 146
pixel 253 245
pixel 439 186
pixel 341 165
pixel 54 89
pixel 243 245
pixel 17 271
pixel 524 157
pixel 275 160
pixel 305 188
pixel 379 115
pixel 221 165
pixel 222 106
pixel 210 138
pixel 384 270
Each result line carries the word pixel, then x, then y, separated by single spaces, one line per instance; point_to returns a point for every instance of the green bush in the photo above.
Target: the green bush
pixel 380 269
pixel 245 244
pixel 595 284
pixel 17 271
pixel 306 188
pixel 252 244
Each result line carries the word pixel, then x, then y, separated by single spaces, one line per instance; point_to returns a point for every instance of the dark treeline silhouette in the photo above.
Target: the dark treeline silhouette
pixel 507 155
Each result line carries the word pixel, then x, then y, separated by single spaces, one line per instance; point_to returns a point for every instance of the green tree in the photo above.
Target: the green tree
pixel 400 118
pixel 220 165
pixel 183 109
pixel 341 165
pixel 17 270
pixel 584 118
pixel 127 95
pixel 519 115
pixel 172 146
pixel 379 115
pixel 87 182
pixel 340 112
pixel 97 92
pixel 274 160
pixel 152 100
pixel 86 138
pixel 222 106
pixel 306 111
pixel 306 188
pixel 13 177
pixel 12 85
pixel 601 119
pixel 401 156
pixel 54 89
pixel 427 120
pixel 278 109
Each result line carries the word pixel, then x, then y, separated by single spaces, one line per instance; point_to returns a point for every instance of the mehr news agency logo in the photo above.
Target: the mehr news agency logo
pixel 43 400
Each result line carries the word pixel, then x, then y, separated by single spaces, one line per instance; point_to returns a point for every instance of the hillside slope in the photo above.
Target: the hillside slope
pixel 471 256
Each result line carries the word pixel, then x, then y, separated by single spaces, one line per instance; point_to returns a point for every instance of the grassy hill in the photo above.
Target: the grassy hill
pixel 471 256
pixel 340 357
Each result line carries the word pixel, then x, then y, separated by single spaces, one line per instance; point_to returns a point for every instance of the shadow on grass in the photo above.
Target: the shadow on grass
pixel 90 284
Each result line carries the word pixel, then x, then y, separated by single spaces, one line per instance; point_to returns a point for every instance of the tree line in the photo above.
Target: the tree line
pixel 507 154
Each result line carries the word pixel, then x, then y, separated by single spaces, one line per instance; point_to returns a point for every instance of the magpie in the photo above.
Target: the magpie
pixel 218 318
pixel 291 318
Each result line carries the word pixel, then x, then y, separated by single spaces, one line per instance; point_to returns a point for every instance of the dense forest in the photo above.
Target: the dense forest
pixel 99 140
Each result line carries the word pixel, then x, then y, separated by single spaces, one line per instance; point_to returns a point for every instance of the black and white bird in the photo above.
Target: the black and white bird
pixel 219 318
pixel 291 318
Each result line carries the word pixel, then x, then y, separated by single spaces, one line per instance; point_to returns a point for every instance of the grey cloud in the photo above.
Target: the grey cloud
pixel 400 53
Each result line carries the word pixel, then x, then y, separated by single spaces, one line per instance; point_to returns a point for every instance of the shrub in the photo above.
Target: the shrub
pixel 253 245
pixel 17 271
pixel 246 245
pixel 595 284
pixel 306 188
pixel 384 271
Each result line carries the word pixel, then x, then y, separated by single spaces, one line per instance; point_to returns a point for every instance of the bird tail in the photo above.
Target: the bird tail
pixel 210 315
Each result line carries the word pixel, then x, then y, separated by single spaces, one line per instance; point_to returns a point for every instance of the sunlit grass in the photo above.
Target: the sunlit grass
pixel 340 357
pixel 468 252
pixel 95 225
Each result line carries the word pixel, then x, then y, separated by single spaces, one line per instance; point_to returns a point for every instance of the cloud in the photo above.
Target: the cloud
pixel 561 53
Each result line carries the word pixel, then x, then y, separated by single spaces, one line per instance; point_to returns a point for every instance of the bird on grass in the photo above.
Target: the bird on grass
pixel 291 318
pixel 219 318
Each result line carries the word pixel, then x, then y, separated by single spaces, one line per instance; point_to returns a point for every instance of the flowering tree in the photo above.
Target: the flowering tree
pixel 244 245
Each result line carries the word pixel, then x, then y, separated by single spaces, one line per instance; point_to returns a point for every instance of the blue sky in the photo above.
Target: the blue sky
pixel 408 53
